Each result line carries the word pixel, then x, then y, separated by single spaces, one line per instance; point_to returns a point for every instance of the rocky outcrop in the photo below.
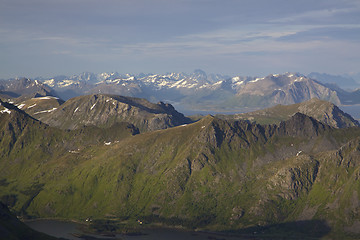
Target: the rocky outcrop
pixel 323 111
pixel 327 113
pixel 301 125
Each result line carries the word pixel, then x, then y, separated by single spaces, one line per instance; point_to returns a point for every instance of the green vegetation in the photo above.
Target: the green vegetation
pixel 209 175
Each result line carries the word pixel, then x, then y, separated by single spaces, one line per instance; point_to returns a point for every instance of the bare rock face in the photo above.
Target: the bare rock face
pixel 105 110
pixel 323 111
pixel 284 89
pixel 328 113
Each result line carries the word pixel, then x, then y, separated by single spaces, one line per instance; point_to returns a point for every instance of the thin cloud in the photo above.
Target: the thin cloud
pixel 318 16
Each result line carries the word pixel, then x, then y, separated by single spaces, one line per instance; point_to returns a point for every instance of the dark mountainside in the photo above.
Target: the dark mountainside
pixel 209 175
pixel 12 228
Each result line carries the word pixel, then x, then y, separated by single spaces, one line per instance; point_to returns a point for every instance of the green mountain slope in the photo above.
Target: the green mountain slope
pixel 212 174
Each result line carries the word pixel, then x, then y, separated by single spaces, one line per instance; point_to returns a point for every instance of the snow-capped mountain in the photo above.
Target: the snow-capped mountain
pixel 198 79
pixel 288 88
pixel 24 87
pixel 199 90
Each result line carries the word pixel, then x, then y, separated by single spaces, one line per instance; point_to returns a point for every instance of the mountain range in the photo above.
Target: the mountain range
pixel 297 177
pixel 287 170
pixel 197 91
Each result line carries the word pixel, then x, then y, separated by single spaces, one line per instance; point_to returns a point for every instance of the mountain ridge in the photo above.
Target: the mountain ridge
pixel 322 111
pixel 201 91
pixel 211 174
pixel 105 110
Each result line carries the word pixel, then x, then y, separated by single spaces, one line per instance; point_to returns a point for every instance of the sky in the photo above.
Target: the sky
pixel 234 37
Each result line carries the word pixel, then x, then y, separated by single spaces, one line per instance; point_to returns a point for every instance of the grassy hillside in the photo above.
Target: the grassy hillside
pixel 212 174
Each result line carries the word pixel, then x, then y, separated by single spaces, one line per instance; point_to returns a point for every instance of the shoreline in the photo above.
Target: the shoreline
pixel 147 229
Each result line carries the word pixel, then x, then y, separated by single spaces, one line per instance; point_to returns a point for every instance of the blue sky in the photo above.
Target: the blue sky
pixel 235 37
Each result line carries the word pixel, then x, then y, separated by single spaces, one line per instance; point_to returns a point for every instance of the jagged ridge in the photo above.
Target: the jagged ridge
pixel 105 110
pixel 210 173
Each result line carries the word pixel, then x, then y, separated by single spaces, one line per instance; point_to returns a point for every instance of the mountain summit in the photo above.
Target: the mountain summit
pixel 104 110
pixel 284 89
pixel 323 111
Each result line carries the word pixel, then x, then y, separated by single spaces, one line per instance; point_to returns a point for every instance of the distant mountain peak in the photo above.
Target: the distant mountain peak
pixel 197 90
pixel 323 111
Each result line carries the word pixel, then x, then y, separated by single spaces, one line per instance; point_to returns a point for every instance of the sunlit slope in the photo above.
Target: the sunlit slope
pixel 322 111
pixel 213 173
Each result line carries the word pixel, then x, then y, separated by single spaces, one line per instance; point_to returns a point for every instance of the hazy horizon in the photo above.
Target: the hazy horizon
pixel 248 38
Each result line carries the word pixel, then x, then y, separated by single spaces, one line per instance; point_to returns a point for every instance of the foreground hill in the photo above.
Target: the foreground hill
pixel 212 174
pixel 105 110
pixel 320 110
pixel 12 228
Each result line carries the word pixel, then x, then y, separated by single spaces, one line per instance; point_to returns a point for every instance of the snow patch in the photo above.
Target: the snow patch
pixel 239 83
pixel 21 106
pixel 66 83
pixel 46 111
pixel 76 109
pixel 107 143
pixel 218 83
pixel 6 110
pixel 46 98
pixel 299 79
pixel 50 82
pixel 32 106
pixel 256 80
pixel 92 106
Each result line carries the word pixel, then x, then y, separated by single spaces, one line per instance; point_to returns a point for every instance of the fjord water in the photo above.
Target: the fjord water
pixel 62 229
pixel 353 110
pixel 55 228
